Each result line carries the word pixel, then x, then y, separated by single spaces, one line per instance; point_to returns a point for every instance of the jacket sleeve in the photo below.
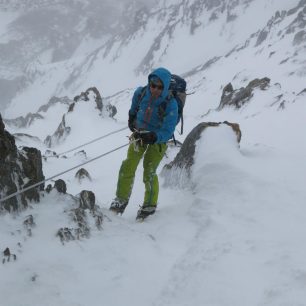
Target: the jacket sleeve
pixel 135 102
pixel 169 122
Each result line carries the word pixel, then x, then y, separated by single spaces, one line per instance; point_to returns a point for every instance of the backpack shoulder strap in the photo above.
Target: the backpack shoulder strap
pixel 140 97
pixel 163 106
pixel 168 99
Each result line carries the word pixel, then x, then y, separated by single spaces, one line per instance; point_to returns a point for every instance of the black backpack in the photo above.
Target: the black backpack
pixel 177 89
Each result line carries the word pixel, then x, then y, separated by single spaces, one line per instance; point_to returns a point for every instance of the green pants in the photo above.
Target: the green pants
pixel 152 154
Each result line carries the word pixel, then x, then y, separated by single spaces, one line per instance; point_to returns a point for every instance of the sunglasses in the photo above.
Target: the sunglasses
pixel 159 87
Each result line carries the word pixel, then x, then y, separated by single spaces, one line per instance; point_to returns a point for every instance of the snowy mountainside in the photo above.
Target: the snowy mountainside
pixel 244 219
pixel 36 34
pixel 185 30
pixel 55 121
pixel 234 235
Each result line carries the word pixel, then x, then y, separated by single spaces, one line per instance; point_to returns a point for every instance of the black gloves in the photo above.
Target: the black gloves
pixel 145 138
pixel 131 122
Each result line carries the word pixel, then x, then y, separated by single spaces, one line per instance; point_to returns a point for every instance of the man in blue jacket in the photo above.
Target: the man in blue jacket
pixel 152 119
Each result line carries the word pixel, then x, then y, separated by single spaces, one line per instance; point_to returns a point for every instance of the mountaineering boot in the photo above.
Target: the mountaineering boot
pixel 145 211
pixel 118 206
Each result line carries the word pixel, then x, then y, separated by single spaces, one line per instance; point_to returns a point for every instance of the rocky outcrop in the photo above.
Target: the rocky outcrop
pixel 299 21
pixel 85 216
pixel 23 122
pixel 59 135
pixel 31 161
pixel 54 100
pixel 87 200
pixel 181 166
pixel 60 186
pixel 93 93
pixel 90 95
pixel 8 256
pixel 82 174
pixel 18 169
pixel 84 96
pixel 239 97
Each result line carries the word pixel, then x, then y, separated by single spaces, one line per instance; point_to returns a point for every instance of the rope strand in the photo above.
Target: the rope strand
pixel 87 143
pixel 61 173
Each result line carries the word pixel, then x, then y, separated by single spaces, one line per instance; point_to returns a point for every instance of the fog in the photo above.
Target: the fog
pixel 30 28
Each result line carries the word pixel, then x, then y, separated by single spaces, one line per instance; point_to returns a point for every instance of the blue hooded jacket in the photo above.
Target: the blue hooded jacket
pixel 148 117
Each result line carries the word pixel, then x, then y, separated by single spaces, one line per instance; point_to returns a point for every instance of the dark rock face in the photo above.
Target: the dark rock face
pixel 60 186
pixel 85 96
pixel 86 213
pixel 239 97
pixel 87 200
pixel 185 157
pixel 8 256
pixel 32 168
pixel 49 188
pixel 82 174
pixel 18 169
pixel 7 143
pixel 60 134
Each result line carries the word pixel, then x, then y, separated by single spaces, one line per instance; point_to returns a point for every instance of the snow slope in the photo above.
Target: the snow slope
pixel 235 237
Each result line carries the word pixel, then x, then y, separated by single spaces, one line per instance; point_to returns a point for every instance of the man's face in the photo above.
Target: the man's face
pixel 156 88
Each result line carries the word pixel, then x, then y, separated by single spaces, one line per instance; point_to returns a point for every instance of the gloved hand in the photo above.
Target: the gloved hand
pixel 131 122
pixel 146 138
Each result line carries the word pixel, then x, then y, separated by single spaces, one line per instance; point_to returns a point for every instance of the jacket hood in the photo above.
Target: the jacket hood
pixel 165 76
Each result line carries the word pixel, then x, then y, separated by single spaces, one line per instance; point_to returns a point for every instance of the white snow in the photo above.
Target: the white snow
pixel 235 237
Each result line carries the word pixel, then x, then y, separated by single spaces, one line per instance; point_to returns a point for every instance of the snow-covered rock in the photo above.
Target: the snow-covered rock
pixel 178 172
pixel 19 169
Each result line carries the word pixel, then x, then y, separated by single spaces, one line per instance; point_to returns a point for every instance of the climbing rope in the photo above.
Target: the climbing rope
pixel 87 143
pixel 61 173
